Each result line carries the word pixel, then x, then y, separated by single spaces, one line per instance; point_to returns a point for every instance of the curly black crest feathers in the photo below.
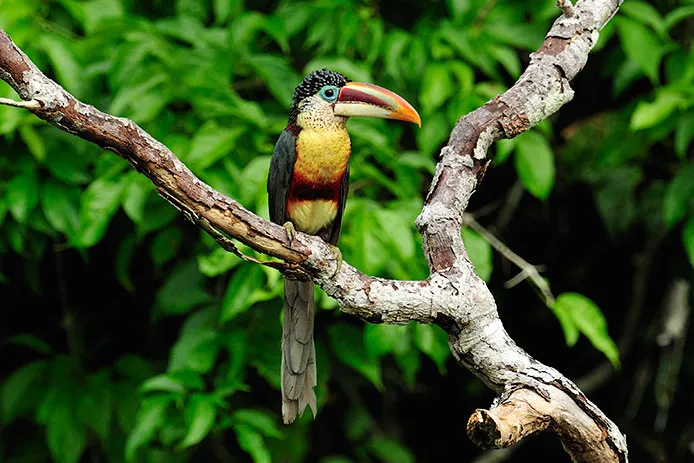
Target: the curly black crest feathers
pixel 313 82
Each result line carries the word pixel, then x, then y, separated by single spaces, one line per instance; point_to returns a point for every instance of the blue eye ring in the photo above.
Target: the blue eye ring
pixel 329 93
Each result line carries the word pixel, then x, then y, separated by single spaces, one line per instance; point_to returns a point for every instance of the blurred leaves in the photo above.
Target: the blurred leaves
pixel 213 80
pixel 348 345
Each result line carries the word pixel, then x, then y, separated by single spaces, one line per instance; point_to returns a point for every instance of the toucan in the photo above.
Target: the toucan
pixel 307 189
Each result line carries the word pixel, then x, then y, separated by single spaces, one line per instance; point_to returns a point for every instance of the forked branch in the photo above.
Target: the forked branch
pixel 453 297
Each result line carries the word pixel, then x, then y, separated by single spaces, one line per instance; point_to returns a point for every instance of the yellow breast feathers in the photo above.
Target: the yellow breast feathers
pixel 322 155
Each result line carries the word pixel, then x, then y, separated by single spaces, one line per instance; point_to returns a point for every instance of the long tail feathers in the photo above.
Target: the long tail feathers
pixel 298 350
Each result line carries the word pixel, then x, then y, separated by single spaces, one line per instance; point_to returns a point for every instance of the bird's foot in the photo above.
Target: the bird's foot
pixel 291 231
pixel 337 254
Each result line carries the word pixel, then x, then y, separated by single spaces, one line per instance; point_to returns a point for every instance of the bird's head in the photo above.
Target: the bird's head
pixel 327 98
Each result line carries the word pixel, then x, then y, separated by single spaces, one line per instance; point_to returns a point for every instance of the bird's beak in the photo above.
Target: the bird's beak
pixel 368 100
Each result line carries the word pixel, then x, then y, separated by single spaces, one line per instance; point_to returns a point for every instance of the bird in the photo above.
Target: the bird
pixel 307 189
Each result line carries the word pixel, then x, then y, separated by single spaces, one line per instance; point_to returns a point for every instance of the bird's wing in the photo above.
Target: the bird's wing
pixel 281 168
pixel 334 232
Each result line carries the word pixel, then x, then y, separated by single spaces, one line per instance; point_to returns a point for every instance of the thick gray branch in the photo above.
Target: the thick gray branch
pixel 453 297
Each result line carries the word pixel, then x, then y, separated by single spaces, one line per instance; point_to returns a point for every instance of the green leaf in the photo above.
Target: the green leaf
pixel 389 451
pixel 259 421
pixel 18 389
pixel 433 341
pixel 97 13
pixel 357 422
pixel 644 13
pixel 684 133
pixel 518 35
pixel 570 329
pixel 254 178
pixel 211 143
pixel 124 256
pixel 590 321
pixel 627 73
pixel 679 195
pixel 34 142
pixel 165 245
pixel 649 114
pixel 65 434
pixel 433 133
pixel 479 251
pixel 400 234
pixel 641 46
pixel 150 418
pixel 64 63
pixel 183 291
pixel 99 203
pixel 508 59
pixel 348 345
pixel 247 280
pixel 395 45
pixel 23 195
pixel 137 189
pixel 195 350
pixel 60 204
pixel 615 195
pixel 437 87
pixel 218 262
pixel 30 341
pixel 70 167
pixel 688 239
pixel 341 65
pixel 95 407
pixel 504 148
pixel 252 443
pixel 279 77
pixel 201 412
pixel 163 383
pixel 384 339
pixel 244 29
pixel 678 14
pixel 224 9
pixel 158 212
pixel 535 164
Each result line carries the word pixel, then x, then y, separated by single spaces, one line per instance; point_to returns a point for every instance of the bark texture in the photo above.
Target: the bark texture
pixel 533 396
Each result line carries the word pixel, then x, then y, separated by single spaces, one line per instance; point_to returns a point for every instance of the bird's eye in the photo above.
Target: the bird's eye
pixel 329 93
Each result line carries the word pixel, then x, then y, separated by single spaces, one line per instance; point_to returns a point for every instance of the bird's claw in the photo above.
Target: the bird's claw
pixel 337 254
pixel 291 231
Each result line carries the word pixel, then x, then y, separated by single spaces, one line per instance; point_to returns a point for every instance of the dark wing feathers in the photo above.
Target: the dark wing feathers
pixel 281 168
pixel 333 232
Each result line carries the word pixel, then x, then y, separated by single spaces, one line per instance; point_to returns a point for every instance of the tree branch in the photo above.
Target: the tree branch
pixel 453 297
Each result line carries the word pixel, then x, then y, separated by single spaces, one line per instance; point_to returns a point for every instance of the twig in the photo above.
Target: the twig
pixel 513 198
pixel 566 7
pixel 671 341
pixel 31 105
pixel 528 271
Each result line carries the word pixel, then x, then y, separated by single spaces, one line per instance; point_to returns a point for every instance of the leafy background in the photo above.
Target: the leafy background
pixel 127 335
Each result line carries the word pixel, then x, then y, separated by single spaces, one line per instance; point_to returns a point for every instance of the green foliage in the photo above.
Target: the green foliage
pixel 535 164
pixel 213 80
pixel 577 313
pixel 480 253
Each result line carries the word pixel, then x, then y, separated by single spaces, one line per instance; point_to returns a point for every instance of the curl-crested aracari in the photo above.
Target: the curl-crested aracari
pixel 307 188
